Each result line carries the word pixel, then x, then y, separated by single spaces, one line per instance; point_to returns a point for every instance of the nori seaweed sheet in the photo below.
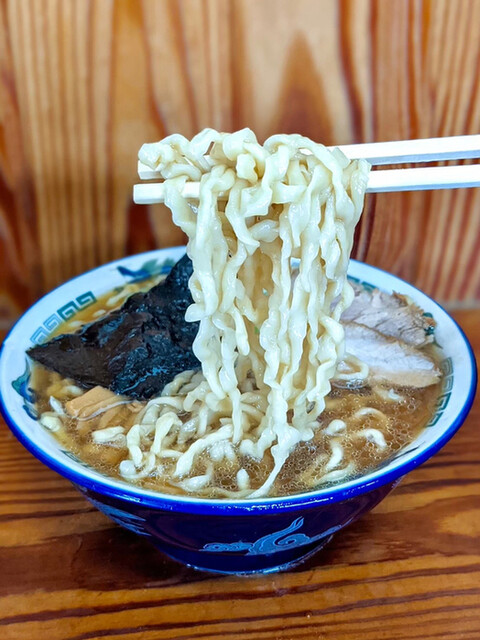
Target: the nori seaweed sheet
pixel 135 350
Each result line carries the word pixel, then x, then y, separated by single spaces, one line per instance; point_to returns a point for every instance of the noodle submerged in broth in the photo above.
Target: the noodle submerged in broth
pixel 260 417
pixel 350 440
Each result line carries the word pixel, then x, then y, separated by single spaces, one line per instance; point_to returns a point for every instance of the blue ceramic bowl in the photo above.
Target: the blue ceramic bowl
pixel 229 536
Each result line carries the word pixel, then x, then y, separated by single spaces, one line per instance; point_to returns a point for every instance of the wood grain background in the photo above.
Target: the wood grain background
pixel 84 83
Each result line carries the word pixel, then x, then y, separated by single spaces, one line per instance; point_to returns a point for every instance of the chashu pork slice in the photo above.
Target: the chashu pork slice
pixel 393 315
pixel 388 359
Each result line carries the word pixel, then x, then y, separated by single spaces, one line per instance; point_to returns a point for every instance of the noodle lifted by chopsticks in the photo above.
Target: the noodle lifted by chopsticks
pixel 269 343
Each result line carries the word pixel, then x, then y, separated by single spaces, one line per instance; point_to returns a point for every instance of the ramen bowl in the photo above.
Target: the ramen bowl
pixel 227 536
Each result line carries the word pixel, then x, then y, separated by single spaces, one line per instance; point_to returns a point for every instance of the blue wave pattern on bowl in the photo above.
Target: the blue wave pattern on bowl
pixel 149 269
pixel 273 541
pixel 130 521
pixel 443 399
pixel 23 388
pixel 66 311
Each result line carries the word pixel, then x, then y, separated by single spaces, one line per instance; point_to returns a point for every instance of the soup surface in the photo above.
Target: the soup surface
pixel 365 423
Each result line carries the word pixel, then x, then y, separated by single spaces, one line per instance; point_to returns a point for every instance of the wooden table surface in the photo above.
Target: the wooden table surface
pixel 408 570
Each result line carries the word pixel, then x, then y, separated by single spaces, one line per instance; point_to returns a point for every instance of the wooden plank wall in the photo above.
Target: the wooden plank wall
pixel 84 82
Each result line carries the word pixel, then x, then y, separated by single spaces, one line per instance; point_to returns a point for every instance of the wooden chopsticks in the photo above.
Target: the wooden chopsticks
pixel 376 153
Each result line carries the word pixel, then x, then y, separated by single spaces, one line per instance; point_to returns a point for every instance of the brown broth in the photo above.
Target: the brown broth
pixel 304 468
